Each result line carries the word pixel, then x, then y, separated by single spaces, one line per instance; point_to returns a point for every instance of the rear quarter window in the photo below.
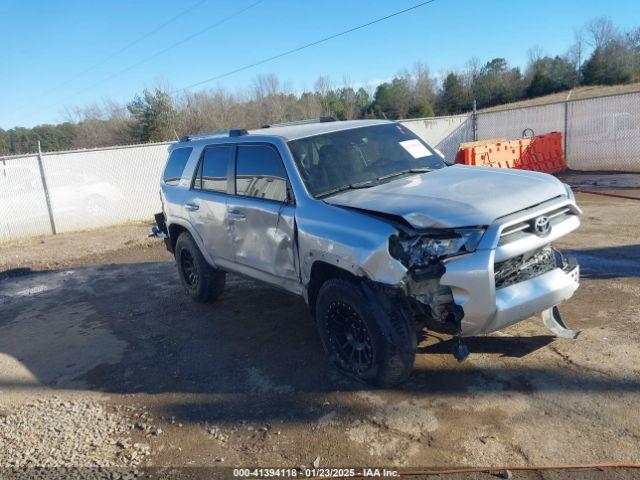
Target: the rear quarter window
pixel 175 165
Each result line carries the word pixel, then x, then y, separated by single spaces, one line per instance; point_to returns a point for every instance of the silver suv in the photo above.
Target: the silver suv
pixel 374 230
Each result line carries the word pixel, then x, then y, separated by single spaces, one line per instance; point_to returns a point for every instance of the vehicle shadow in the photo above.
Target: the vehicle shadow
pixel 608 262
pixel 513 347
pixel 253 355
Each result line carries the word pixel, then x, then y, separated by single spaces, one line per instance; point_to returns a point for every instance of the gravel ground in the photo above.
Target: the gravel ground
pixel 93 342
pixel 73 436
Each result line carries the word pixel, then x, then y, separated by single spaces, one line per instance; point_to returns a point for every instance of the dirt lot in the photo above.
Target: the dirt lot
pixel 105 363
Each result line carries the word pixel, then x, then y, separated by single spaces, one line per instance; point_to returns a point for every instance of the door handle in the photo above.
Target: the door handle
pixel 236 215
pixel 191 206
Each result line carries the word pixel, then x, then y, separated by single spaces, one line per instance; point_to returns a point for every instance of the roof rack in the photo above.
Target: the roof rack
pixel 233 132
pixel 329 118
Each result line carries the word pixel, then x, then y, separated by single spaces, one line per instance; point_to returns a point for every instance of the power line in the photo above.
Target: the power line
pixel 125 48
pixel 260 62
pixel 302 47
pixel 157 54
pixel 171 47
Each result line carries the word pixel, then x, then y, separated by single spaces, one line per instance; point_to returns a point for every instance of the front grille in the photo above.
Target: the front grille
pixel 524 267
pixel 522 229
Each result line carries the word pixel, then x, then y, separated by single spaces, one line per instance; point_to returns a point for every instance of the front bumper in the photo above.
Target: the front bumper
pixel 487 309
pixel 520 301
pixel 471 277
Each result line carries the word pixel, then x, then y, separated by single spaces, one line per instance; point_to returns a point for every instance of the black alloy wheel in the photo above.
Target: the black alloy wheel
pixel 367 335
pixel 191 275
pixel 350 337
pixel 201 281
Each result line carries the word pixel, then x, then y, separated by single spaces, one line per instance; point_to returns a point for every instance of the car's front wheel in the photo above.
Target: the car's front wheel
pixel 200 280
pixel 366 335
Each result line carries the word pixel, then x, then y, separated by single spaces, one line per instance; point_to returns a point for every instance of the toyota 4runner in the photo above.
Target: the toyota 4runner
pixel 374 230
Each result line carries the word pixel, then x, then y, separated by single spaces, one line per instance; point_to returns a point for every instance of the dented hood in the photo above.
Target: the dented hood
pixel 456 196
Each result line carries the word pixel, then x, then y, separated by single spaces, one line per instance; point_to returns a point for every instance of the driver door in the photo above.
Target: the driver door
pixel 261 217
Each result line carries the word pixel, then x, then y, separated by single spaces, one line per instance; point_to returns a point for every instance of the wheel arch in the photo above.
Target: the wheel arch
pixel 175 230
pixel 176 227
pixel 321 272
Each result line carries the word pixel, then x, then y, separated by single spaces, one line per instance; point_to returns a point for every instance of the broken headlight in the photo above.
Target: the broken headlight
pixel 423 249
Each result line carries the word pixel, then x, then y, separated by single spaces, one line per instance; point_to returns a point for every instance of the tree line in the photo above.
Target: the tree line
pixel 602 54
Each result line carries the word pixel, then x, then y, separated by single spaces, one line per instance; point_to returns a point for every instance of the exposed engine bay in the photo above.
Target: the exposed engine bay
pixel 422 254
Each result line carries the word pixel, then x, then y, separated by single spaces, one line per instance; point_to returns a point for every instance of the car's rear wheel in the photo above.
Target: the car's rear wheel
pixel 362 335
pixel 200 280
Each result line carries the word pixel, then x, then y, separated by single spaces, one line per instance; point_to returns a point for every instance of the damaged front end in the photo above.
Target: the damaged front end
pixel 456 288
pixel 422 253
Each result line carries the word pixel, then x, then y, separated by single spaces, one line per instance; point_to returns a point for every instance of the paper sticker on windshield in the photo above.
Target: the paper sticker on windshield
pixel 415 148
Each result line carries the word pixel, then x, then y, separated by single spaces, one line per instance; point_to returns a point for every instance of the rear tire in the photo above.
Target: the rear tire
pixel 201 281
pixel 368 335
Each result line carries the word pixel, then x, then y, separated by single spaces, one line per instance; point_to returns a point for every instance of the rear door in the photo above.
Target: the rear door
pixel 261 216
pixel 207 206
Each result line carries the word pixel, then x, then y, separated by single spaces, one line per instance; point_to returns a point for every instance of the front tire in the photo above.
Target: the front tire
pixel 201 281
pixel 368 335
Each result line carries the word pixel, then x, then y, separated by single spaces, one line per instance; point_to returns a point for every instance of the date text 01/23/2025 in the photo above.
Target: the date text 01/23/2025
pixel 313 472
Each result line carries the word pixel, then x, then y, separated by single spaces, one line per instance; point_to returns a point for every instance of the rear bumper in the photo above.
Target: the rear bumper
pixel 487 309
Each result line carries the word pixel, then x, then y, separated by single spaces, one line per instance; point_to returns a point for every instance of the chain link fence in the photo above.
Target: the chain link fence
pixel 512 124
pixel 604 133
pixel 600 134
pixel 22 199
pixel 66 191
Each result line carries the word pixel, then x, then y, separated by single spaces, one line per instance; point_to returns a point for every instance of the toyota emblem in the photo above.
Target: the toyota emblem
pixel 541 225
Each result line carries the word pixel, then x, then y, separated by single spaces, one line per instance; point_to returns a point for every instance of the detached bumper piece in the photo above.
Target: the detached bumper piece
pixel 553 320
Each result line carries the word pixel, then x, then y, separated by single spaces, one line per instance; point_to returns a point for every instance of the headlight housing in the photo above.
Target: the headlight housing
pixel 426 248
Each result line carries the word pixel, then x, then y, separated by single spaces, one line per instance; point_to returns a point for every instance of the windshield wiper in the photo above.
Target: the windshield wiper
pixel 351 186
pixel 404 172
pixel 371 183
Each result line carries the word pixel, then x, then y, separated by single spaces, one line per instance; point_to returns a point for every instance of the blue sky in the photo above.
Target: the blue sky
pixel 47 43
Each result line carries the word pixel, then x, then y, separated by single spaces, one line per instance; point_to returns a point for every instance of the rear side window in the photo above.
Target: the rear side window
pixel 175 165
pixel 212 172
pixel 260 173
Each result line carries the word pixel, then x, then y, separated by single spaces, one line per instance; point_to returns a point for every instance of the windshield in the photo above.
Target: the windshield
pixel 361 157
